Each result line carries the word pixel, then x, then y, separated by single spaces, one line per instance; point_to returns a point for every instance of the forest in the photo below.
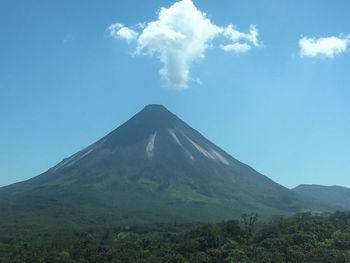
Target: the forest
pixel 303 237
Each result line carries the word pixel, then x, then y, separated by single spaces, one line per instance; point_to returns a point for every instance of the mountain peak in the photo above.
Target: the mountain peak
pixel 156 111
pixel 155 107
pixel 155 115
pixel 152 118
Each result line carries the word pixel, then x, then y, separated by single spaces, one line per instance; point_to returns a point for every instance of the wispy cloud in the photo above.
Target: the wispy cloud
pixel 179 37
pixel 242 42
pixel 236 47
pixel 323 47
pixel 120 31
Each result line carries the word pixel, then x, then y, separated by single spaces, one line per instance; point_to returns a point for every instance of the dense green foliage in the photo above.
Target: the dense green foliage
pixel 299 238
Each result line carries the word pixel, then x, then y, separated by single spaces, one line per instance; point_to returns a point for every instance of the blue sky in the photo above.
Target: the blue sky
pixel 66 82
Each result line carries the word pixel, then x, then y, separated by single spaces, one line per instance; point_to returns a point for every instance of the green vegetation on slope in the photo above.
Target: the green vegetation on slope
pixel 299 238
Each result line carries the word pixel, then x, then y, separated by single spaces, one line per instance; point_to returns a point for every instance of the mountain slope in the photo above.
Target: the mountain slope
pixel 153 168
pixel 336 196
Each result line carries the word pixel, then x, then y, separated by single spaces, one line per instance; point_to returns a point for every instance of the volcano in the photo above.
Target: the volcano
pixel 153 168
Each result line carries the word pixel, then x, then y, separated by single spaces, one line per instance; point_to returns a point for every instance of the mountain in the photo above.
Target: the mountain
pixel 153 168
pixel 336 196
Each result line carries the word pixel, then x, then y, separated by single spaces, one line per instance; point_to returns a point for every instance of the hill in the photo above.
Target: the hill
pixel 336 196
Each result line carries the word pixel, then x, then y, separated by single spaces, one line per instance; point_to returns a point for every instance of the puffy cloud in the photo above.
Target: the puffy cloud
pixel 327 46
pixel 120 31
pixel 180 36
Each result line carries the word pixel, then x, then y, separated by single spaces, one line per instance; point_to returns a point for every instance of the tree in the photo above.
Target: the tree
pixel 249 222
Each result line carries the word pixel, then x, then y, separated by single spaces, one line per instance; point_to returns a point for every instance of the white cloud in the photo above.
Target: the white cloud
pixel 120 31
pixel 327 46
pixel 233 34
pixel 236 47
pixel 180 36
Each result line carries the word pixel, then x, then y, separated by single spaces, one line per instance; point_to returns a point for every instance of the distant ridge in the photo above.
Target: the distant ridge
pixel 336 196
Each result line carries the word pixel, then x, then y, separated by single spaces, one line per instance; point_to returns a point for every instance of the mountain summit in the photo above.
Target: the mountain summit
pixel 153 168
